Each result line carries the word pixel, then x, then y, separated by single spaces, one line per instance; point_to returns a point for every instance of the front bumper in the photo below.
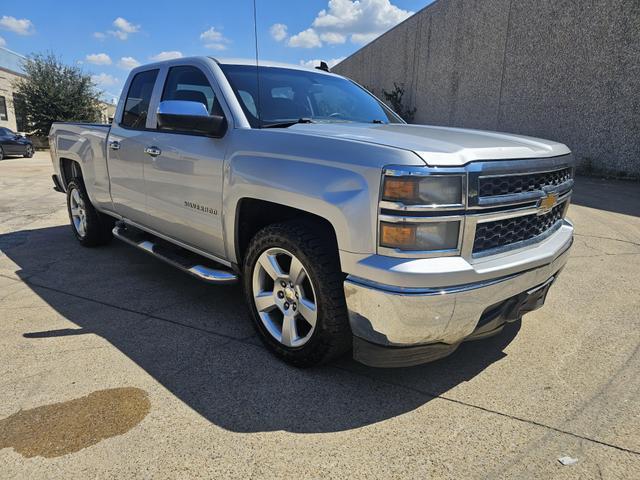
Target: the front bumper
pixel 400 326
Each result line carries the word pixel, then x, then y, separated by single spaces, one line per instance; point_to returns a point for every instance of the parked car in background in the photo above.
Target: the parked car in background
pixel 347 227
pixel 12 143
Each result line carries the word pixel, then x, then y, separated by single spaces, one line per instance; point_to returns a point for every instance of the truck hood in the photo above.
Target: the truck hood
pixel 440 146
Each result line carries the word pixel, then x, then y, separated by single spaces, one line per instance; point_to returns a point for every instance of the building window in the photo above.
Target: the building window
pixel 3 109
pixel 19 108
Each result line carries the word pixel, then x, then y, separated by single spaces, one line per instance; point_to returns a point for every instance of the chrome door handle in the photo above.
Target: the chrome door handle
pixel 153 151
pixel 114 145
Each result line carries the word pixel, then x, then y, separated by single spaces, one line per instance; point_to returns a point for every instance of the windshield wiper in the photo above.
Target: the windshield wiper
pixel 377 121
pixel 287 124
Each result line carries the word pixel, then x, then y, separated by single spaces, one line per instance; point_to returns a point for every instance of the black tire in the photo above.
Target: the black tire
pixel 318 254
pixel 1 154
pixel 98 226
pixel 28 153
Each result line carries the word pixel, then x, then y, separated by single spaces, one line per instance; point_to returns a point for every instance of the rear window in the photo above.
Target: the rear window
pixel 136 107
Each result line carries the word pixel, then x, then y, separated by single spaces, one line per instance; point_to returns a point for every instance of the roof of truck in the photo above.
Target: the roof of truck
pixel 263 63
pixel 233 61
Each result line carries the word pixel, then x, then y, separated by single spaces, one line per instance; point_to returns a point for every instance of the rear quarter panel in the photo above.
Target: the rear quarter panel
pixel 85 144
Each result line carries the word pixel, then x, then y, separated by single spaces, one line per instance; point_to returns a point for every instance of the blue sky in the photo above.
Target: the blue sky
pixel 108 38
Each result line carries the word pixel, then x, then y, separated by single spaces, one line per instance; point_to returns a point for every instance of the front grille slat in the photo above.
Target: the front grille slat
pixel 501 233
pixel 513 184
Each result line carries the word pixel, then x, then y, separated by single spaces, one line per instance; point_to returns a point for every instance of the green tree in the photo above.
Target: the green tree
pixel 394 97
pixel 55 92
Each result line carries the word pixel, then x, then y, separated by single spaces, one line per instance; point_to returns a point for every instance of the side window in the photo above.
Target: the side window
pixel 3 109
pixel 136 107
pixel 189 83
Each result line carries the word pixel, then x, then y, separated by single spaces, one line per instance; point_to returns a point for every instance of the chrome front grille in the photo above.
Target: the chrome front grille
pixel 520 183
pixel 508 205
pixel 510 231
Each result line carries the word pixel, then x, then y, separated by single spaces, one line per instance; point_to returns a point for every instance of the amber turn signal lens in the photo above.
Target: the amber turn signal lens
pixel 397 235
pixel 400 189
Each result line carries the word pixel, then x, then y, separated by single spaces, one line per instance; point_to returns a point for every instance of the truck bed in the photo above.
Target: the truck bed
pixel 86 144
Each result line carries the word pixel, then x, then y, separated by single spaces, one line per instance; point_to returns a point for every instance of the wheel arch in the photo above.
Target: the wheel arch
pixel 69 169
pixel 252 214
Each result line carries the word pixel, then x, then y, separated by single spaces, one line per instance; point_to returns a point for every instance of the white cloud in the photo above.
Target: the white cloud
pixel 104 80
pixel 2 42
pixel 127 63
pixel 166 56
pixel 212 35
pixel 362 38
pixel 124 28
pixel 99 59
pixel 214 39
pixel 99 35
pixel 333 37
pixel 316 62
pixel 359 20
pixel 278 31
pixel 21 26
pixel 306 39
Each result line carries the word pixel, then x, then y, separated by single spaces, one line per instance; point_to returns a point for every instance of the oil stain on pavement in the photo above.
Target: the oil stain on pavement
pixel 67 427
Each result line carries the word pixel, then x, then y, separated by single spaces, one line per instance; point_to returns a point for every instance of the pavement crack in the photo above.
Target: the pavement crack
pixel 495 412
pixel 637 244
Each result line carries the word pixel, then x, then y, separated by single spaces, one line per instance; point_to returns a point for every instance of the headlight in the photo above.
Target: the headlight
pixel 436 190
pixel 427 236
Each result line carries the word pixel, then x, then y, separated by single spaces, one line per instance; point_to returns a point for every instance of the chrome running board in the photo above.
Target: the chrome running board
pixel 175 256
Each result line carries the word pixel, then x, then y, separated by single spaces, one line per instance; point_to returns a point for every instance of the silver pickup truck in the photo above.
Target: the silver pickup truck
pixel 348 228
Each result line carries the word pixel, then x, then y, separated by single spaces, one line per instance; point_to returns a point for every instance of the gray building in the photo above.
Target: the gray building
pixel 560 69
pixel 10 71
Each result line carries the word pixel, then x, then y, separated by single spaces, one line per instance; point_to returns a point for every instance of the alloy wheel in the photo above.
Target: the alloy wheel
pixel 78 212
pixel 284 297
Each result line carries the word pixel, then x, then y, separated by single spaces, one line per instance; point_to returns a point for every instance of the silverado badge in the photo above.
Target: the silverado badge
pixel 200 208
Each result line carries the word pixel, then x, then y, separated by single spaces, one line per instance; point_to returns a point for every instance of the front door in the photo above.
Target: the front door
pixel 125 149
pixel 184 171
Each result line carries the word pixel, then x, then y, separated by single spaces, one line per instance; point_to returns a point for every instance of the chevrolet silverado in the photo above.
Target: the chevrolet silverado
pixel 349 229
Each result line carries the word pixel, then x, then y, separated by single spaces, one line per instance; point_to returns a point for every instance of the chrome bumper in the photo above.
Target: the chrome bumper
pixel 407 317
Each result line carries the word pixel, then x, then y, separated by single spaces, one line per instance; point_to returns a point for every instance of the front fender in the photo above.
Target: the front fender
pixel 309 177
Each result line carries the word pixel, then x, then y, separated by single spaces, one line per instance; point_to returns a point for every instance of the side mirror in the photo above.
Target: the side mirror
pixel 193 117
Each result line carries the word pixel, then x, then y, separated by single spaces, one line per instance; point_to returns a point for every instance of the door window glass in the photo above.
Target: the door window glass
pixel 136 107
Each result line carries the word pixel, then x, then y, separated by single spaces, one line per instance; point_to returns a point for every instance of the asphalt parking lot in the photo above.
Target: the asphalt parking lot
pixel 114 365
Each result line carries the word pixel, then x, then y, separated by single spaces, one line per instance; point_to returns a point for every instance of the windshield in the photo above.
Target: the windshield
pixel 288 95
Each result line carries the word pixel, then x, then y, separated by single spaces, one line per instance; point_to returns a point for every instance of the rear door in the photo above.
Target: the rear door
pixel 184 181
pixel 125 148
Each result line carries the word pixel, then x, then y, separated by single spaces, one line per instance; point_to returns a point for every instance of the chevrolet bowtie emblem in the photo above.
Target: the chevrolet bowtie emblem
pixel 547 203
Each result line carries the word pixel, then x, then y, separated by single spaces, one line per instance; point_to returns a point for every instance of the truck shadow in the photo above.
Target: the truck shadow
pixel 197 342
